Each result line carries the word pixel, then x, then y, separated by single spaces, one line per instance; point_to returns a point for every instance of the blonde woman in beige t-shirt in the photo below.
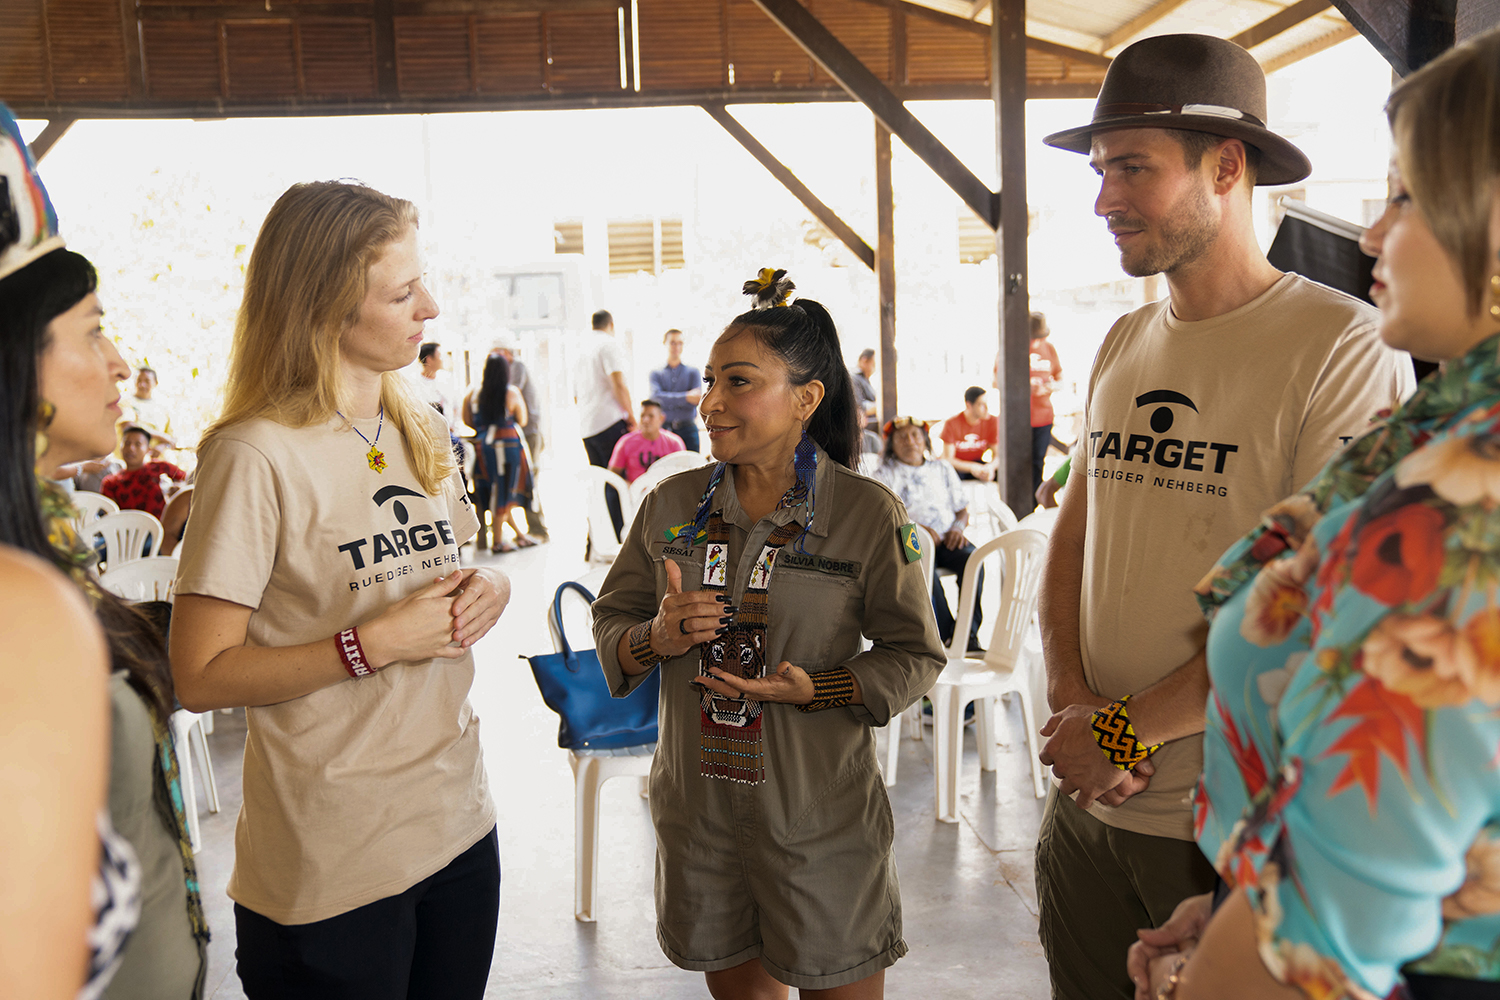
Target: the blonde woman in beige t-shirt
pixel 320 586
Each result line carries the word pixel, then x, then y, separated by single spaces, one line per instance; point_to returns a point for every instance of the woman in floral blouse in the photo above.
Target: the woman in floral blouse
pixel 1351 790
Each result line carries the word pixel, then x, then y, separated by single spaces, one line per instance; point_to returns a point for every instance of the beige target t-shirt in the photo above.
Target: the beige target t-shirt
pixel 1192 431
pixel 360 790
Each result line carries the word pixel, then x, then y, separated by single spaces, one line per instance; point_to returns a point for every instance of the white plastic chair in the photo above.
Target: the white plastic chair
pixel 1042 519
pixel 1005 669
pixel 986 506
pixel 913 714
pixel 90 507
pixel 187 728
pixel 151 579
pixel 128 535
pixel 154 578
pixel 668 465
pixel 603 545
pixel 591 769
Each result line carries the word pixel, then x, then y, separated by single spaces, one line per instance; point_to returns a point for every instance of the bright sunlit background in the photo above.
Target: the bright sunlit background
pixel 168 211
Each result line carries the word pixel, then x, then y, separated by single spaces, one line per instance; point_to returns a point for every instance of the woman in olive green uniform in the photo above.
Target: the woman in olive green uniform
pixel 750 584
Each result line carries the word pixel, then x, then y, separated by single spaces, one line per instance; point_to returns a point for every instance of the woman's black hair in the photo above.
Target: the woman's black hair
pixel 30 299
pixel 490 406
pixel 803 336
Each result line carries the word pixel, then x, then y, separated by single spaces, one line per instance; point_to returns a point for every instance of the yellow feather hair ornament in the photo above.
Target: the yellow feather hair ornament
pixel 769 288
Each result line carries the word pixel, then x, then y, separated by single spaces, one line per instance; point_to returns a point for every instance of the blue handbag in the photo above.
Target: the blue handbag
pixel 572 684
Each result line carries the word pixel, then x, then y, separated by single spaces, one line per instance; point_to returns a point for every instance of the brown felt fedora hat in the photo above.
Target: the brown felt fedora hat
pixel 1194 82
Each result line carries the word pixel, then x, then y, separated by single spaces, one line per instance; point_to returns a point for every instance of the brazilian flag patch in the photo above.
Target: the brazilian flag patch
pixel 911 541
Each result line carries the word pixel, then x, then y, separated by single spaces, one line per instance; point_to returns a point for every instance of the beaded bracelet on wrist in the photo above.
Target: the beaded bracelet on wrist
pixel 1116 736
pixel 1168 988
pixel 831 689
pixel 640 646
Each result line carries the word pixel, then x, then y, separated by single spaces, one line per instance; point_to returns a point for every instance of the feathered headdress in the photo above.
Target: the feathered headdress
pixel 769 288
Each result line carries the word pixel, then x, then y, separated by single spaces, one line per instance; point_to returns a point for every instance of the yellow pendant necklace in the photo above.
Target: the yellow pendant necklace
pixel 374 456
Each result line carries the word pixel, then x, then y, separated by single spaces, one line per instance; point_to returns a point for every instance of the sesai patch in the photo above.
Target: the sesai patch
pixel 911 541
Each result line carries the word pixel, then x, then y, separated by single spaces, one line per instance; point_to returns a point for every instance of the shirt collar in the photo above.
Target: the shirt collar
pixel 824 488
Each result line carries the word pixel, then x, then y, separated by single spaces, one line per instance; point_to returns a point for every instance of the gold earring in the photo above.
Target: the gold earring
pixel 45 411
pixel 1495 296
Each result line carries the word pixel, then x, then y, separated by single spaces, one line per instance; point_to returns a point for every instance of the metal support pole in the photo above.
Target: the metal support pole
pixel 885 269
pixel 1008 85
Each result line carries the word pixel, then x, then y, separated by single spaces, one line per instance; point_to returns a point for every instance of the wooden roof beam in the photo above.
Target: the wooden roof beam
pixel 851 74
pixel 55 130
pixel 825 215
pixel 1279 22
pixel 983 30
pixel 1138 24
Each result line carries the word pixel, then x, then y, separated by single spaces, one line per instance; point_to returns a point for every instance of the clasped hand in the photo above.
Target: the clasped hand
pixel 1159 950
pixel 685 620
pixel 443 619
pixel 1075 758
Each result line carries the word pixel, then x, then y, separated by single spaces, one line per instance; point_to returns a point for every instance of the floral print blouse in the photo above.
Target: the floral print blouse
pixel 1351 778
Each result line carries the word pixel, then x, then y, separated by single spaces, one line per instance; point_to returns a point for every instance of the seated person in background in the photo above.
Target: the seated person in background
pixel 934 499
pixel 635 452
pixel 138 486
pixel 968 435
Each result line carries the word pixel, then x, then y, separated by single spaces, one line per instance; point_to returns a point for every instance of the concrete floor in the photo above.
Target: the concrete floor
pixel 968 892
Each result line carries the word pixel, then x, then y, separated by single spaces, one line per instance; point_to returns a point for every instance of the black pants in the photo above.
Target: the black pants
pixel 1041 437
pixel 432 942
pixel 955 560
pixel 600 447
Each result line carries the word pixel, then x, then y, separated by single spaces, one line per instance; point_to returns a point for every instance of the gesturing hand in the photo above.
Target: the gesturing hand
pixel 789 685
pixel 685 620
pixel 1179 935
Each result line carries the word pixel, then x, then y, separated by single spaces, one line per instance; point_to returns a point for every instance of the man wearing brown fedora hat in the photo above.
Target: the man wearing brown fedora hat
pixel 1204 409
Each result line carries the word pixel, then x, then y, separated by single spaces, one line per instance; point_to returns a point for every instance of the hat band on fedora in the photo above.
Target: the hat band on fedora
pixel 1215 110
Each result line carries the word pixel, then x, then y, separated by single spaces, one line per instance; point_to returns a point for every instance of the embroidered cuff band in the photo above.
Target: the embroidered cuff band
pixel 831 689
pixel 353 654
pixel 640 646
pixel 1116 737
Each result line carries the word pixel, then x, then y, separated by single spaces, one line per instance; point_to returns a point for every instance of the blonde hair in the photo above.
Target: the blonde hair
pixel 307 277
pixel 1446 121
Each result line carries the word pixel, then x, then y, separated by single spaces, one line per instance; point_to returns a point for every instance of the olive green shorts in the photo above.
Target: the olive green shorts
pixel 820 905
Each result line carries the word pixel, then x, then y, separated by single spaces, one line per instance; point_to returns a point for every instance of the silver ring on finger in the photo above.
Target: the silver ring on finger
pixel 682 626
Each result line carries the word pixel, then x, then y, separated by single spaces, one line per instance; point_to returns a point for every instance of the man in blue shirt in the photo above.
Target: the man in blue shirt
pixel 678 387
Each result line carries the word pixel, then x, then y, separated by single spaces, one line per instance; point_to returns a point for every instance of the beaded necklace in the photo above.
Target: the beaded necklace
pixel 374 456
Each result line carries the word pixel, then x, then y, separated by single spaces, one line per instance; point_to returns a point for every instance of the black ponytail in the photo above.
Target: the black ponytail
pixel 803 336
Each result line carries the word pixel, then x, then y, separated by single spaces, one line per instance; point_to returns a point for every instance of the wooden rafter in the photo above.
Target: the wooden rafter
pixel 1312 48
pixel 825 215
pixel 55 130
pixel 1281 21
pixel 1138 24
pixel 851 74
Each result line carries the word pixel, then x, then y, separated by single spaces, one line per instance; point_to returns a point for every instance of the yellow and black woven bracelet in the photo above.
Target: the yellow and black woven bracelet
pixel 831 689
pixel 1116 736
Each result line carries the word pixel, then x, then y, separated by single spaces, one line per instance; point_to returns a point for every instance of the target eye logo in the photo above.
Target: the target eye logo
pixel 1162 417
pixel 398 508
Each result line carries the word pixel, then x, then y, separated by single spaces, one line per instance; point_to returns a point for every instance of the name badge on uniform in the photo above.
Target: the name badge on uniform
pixel 716 565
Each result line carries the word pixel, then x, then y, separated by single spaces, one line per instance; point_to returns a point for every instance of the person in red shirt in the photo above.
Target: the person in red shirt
pixel 967 436
pixel 1045 371
pixel 138 485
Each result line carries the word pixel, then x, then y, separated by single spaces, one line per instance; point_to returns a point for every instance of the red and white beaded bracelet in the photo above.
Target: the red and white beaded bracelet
pixel 353 654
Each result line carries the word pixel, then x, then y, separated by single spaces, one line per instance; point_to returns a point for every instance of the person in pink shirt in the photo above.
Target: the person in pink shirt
pixel 1046 369
pixel 635 452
